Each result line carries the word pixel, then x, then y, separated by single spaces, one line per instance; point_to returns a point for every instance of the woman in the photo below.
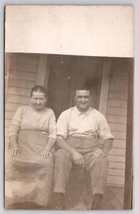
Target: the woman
pixel 32 136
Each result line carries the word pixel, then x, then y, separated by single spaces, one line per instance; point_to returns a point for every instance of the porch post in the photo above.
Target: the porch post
pixel 104 87
pixel 43 71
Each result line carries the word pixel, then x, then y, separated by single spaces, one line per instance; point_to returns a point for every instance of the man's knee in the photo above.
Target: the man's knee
pixel 62 154
pixel 100 162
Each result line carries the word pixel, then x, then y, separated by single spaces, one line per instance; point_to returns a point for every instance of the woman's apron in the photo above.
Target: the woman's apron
pixel 28 177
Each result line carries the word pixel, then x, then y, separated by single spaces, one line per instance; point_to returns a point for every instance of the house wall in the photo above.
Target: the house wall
pixel 21 76
pixel 116 115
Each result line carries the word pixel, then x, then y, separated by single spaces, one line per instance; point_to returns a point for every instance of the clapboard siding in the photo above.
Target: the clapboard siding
pixel 117 151
pixel 31 58
pixel 22 77
pixel 120 127
pixel 9 114
pixel 116 119
pixel 116 172
pixel 116 115
pixel 118 86
pixel 115 180
pixel 12 106
pixel 19 91
pixel 119 135
pixel 116 158
pixel 7 123
pixel 117 103
pixel 119 144
pixel 117 78
pixel 116 111
pixel 22 66
pixel 17 99
pixel 116 95
pixel 114 165
pixel 21 83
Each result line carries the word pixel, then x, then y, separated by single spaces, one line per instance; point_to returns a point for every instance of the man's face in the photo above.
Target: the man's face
pixel 82 99
pixel 38 100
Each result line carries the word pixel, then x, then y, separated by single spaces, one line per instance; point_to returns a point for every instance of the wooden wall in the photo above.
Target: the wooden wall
pixel 21 76
pixel 116 115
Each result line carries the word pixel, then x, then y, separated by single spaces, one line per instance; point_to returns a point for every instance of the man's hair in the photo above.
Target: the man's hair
pixel 81 88
pixel 39 88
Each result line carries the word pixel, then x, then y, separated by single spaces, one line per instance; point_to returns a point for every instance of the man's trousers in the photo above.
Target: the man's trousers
pixel 97 168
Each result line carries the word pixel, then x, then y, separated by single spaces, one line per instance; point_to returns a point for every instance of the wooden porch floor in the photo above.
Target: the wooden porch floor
pixel 81 200
pixel 79 197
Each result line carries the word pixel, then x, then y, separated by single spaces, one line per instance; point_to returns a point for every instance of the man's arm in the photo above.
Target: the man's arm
pixel 104 149
pixel 77 157
pixel 107 146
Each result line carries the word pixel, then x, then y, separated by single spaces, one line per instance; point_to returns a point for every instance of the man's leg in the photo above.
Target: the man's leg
pixel 63 165
pixel 98 174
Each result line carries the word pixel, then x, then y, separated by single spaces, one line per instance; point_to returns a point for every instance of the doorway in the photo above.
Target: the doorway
pixel 68 72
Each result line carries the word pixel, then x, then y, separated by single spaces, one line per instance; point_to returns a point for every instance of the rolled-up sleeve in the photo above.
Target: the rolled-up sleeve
pixel 52 126
pixel 15 125
pixel 62 125
pixel 104 130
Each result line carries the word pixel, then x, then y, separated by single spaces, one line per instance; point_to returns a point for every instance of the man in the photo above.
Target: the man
pixel 85 139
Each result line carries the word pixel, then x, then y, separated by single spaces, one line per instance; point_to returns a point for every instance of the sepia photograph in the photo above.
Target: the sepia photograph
pixel 69 95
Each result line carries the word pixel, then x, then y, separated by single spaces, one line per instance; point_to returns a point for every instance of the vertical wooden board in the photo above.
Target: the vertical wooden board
pixel 42 70
pixel 104 87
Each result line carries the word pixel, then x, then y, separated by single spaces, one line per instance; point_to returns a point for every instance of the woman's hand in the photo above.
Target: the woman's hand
pixel 14 151
pixel 46 154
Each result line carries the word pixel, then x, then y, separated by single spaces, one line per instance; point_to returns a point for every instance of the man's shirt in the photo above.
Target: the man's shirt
pixel 87 124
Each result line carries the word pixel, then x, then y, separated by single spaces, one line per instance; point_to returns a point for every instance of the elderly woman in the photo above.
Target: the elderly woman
pixel 32 136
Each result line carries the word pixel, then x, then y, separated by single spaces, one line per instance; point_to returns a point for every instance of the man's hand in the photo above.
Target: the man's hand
pixel 46 154
pixel 77 158
pixel 14 151
pixel 98 153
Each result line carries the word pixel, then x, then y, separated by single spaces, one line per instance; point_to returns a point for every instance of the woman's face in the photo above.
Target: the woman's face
pixel 38 100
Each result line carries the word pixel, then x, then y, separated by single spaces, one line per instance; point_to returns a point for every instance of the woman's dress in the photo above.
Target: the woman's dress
pixel 28 176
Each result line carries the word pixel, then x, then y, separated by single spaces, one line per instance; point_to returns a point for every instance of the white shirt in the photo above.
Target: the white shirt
pixel 74 123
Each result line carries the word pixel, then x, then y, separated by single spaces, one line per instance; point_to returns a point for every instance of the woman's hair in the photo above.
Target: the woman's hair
pixel 39 88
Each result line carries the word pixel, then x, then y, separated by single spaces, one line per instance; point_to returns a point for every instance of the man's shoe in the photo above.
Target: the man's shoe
pixel 59 201
pixel 96 205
